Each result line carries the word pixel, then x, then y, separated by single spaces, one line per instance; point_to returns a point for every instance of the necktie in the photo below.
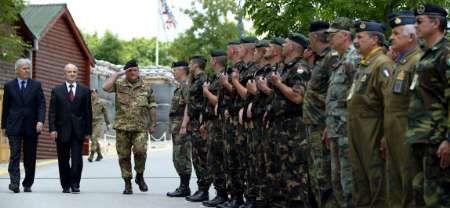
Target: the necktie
pixel 22 87
pixel 71 95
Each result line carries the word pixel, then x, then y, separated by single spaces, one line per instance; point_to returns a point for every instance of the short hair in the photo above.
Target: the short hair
pixel 322 36
pixel 222 60
pixel 70 65
pixel 22 62
pixel 380 37
pixel 409 30
pixel 442 22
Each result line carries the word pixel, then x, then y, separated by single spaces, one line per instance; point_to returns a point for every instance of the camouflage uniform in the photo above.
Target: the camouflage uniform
pixel 182 147
pixel 99 115
pixel 428 123
pixel 133 104
pixel 314 117
pixel 289 158
pixel 336 111
pixel 215 143
pixel 365 129
pixel 199 147
pixel 400 163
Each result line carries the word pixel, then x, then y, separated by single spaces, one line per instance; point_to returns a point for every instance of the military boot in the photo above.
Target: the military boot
pixel 128 188
pixel 140 181
pixel 91 156
pixel 220 198
pixel 183 190
pixel 99 157
pixel 199 196
pixel 235 202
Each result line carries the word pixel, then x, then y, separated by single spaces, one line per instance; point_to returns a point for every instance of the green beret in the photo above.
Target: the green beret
pixel 198 57
pixel 217 53
pixel 341 23
pixel 318 26
pixel 130 64
pixel 277 41
pixel 299 38
pixel 430 9
pixel 234 42
pixel 179 63
pixel 262 44
pixel 249 39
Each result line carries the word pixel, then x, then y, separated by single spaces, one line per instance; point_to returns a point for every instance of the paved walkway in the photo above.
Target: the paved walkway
pixel 101 186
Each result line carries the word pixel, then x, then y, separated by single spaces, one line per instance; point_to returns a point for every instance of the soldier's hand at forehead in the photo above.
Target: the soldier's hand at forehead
pixel 122 72
pixel 443 152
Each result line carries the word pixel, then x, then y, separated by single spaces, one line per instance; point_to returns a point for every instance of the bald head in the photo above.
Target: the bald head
pixel 70 72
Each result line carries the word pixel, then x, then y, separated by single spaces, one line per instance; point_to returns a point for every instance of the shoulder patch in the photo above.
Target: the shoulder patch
pixel 386 72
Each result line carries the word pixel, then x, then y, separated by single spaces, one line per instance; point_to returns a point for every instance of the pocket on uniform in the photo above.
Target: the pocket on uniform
pixel 122 96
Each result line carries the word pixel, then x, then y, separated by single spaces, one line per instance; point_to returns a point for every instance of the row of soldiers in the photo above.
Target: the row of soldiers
pixel 331 120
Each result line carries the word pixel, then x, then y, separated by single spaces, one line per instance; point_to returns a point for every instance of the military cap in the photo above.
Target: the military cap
pixel 299 38
pixel 341 23
pixel 234 42
pixel 430 9
pixel 369 26
pixel 130 64
pixel 277 41
pixel 401 18
pixel 249 39
pixel 262 44
pixel 318 25
pixel 217 53
pixel 179 63
pixel 198 57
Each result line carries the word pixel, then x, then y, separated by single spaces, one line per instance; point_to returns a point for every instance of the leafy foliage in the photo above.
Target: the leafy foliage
pixel 11 45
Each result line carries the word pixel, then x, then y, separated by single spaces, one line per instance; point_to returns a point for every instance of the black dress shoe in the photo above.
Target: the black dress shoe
pixel 198 196
pixel 214 202
pixel 181 191
pixel 66 190
pixel 75 190
pixel 14 188
pixel 26 189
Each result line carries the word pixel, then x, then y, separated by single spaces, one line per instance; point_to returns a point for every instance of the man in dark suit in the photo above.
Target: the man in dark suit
pixel 70 123
pixel 23 117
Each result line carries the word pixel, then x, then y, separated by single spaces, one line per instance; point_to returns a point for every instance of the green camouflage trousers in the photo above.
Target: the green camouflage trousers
pixel 216 156
pixel 341 168
pixel 250 160
pixel 182 149
pixel 432 183
pixel 319 168
pixel 199 155
pixel 234 147
pixel 97 134
pixel 127 141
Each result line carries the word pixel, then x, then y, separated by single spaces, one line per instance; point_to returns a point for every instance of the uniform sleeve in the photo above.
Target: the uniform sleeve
pixel 185 94
pixel 447 94
pixel 114 87
pixel 152 99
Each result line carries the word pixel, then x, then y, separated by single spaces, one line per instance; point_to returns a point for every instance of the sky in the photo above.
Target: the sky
pixel 126 18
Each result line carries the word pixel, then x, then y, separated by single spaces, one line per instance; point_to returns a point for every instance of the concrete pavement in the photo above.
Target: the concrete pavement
pixel 101 186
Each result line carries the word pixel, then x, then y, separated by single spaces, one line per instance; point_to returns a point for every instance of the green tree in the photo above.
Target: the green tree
pixel 296 15
pixel 213 26
pixel 110 49
pixel 11 45
pixel 143 49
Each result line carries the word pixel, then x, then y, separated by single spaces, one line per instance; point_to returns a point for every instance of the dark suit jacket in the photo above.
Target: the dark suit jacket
pixel 66 117
pixel 21 113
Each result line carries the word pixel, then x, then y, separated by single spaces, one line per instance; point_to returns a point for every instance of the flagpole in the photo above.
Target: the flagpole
pixel 157 33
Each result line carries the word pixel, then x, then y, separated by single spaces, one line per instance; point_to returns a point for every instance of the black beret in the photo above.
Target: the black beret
pixel 218 52
pixel 262 44
pixel 318 25
pixel 234 42
pixel 198 57
pixel 277 41
pixel 369 26
pixel 130 64
pixel 299 38
pixel 401 18
pixel 249 39
pixel 430 9
pixel 179 63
